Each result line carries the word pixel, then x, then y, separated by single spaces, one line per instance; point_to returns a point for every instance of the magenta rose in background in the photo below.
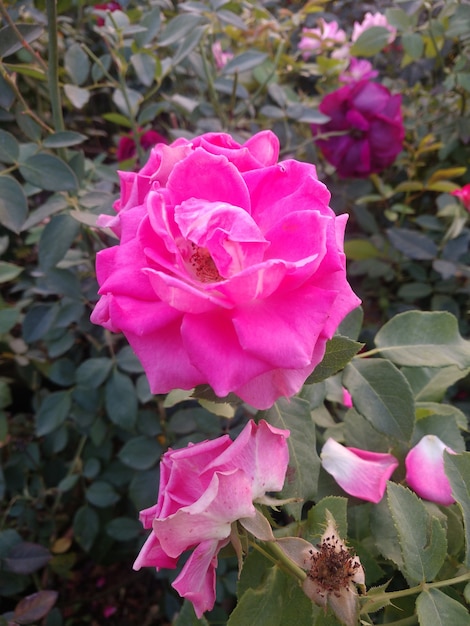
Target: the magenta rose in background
pixel 204 488
pixel 230 270
pixel 371 120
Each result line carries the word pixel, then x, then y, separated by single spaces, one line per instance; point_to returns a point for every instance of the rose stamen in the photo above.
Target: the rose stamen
pixel 203 265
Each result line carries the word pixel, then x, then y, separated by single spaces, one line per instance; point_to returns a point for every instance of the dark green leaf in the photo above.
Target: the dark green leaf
pixel 77 63
pixel 422 539
pixel 188 45
pixel 9 271
pixel 141 452
pixel 34 607
pixel 382 394
pixel 144 66
pixel 27 557
pixel 244 62
pixel 457 468
pixel 437 608
pixel 56 240
pixel 121 400
pixel 101 494
pixel 46 171
pixel 187 617
pixel 179 28
pixel 128 361
pixel 64 139
pixel 413 45
pixel 124 528
pixel 93 372
pixel 54 410
pixel 9 43
pixel 304 463
pixel 412 244
pixel 78 96
pixel 13 204
pixel 86 525
pixel 9 147
pixel 339 351
pixel 370 42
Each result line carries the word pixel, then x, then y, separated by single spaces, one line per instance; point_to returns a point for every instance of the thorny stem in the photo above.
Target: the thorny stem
pixel 53 70
pixel 6 16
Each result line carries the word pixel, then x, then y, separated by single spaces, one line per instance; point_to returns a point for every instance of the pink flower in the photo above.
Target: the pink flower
pixel 425 470
pixel 370 20
pixel 204 489
pixel 463 195
pixel 221 58
pixel 347 399
pixel 358 69
pixel 371 122
pixel 359 473
pixel 230 271
pixel 321 39
pixel 126 148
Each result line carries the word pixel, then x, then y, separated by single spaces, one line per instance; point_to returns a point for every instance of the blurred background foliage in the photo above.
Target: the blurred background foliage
pixel 80 433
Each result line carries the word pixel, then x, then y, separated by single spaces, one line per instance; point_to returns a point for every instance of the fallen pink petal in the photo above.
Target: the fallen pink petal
pixel 360 473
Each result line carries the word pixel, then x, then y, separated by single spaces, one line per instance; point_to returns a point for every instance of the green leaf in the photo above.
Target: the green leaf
pixel 317 517
pixel 457 468
pixel 424 339
pixel 77 63
pixel 437 608
pixel 124 528
pixel 86 525
pixel 412 244
pixel 13 204
pixel 101 494
pixel 413 45
pixel 141 452
pixel 56 240
pixel 370 42
pixel 9 147
pixel 121 400
pixel 144 66
pixel 127 102
pixel 9 43
pixel 34 607
pixel 188 45
pixel 46 171
pixel 187 617
pixel 27 557
pixel 382 395
pixel 128 361
pixel 178 28
pixel 422 539
pixel 244 62
pixel 339 352
pixel 93 372
pixel 54 410
pixel 9 271
pixel 64 139
pixel 304 462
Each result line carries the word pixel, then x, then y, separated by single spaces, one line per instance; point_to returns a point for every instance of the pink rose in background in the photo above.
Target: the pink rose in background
pixel 204 488
pixel 230 270
pixel 358 69
pixel 107 6
pixel 463 195
pixel 315 40
pixel 126 148
pixel 425 470
pixel 370 20
pixel 359 473
pixel 371 119
pixel 221 58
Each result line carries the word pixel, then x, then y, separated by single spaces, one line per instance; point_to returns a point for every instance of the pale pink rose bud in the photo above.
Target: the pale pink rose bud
pixel 370 20
pixel 359 473
pixel 425 470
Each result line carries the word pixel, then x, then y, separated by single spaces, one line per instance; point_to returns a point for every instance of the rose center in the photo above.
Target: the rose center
pixel 203 265
pixel 332 567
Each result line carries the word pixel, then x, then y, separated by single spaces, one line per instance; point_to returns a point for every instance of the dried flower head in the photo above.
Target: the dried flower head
pixel 332 575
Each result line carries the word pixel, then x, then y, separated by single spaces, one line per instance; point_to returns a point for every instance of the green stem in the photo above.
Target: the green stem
pixel 6 16
pixel 274 553
pixel 53 70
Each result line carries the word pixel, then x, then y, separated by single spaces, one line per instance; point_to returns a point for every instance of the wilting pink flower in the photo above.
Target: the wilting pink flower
pixel 358 69
pixel 359 473
pixel 425 470
pixel 371 122
pixel 204 489
pixel 370 20
pixel 221 58
pixel 463 195
pixel 326 37
pixel 230 270
pixel 126 148
pixel 107 6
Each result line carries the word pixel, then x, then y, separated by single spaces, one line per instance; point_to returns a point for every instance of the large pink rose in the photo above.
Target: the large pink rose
pixel 204 488
pixel 230 270
pixel 369 119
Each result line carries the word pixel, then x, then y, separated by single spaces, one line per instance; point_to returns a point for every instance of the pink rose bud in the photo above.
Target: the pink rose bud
pixel 425 470
pixel 204 488
pixel 230 271
pixel 370 20
pixel 369 122
pixel 359 473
